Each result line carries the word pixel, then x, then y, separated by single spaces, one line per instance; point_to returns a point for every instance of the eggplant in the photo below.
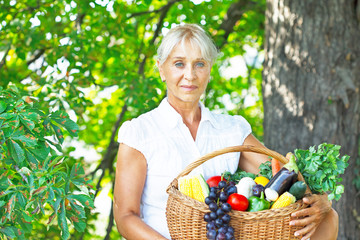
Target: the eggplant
pixel 283 179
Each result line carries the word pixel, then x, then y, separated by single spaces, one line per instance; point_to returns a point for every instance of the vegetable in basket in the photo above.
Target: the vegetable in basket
pixel 283 179
pixel 284 200
pixel 257 190
pixel 194 187
pixel 238 202
pixel 244 187
pixel 275 166
pixel 298 189
pixel 321 168
pixel 213 181
pixel 258 203
pixel 261 180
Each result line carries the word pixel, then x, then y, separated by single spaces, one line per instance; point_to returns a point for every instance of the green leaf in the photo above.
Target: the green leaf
pixel 16 152
pixel 8 231
pixel 62 221
pixel 32 114
pixel 19 234
pixel 27 140
pixel 79 224
pixel 61 118
pixel 85 200
pixel 321 168
pixel 79 210
pixel 26 226
pixel 31 157
pixel 7 116
pixel 51 194
pixel 10 207
pixel 339 189
pixel 3 106
pixel 27 122
pixel 76 170
pixel 41 151
pixel 19 105
pixel 21 200
pixel 58 132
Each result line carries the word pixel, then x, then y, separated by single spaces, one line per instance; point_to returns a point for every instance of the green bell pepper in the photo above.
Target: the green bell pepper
pixel 258 203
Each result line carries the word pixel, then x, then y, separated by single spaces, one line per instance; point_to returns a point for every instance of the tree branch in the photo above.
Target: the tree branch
pixel 154 11
pixel 111 150
pixel 36 56
pixel 234 14
pixel 111 219
pixel 164 11
pixel 3 61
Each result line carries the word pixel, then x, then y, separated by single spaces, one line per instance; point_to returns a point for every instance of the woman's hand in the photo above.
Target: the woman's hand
pixel 311 217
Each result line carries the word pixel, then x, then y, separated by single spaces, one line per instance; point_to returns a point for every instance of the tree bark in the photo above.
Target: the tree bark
pixel 311 85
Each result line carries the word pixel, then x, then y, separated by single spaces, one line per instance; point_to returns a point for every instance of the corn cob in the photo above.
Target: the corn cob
pixel 284 200
pixel 194 187
pixel 185 186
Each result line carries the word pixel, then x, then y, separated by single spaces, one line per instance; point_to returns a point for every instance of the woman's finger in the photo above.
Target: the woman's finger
pixel 309 234
pixel 306 230
pixel 310 199
pixel 303 221
pixel 302 213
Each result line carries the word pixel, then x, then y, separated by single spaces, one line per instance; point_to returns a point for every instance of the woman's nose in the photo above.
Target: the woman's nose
pixel 190 73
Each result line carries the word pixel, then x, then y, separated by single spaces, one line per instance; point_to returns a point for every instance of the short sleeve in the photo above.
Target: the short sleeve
pixel 245 127
pixel 130 135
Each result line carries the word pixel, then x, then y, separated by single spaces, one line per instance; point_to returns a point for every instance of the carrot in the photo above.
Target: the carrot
pixel 275 166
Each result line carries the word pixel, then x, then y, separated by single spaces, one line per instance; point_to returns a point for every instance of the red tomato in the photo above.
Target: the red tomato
pixel 238 202
pixel 213 181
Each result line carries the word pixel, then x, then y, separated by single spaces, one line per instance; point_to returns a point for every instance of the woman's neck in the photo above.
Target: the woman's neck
pixel 190 113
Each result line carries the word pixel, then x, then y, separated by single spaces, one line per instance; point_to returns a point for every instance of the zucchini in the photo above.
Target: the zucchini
pixel 298 189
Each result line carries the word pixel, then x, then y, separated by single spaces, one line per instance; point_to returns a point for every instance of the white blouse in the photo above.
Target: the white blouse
pixel 166 143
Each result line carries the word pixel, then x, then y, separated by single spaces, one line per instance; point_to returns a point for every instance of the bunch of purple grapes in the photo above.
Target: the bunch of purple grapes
pixel 218 218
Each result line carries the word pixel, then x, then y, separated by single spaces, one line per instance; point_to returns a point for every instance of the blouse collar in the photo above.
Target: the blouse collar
pixel 170 117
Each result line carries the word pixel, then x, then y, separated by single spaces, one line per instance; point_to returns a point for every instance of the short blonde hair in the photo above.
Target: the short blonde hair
pixel 193 33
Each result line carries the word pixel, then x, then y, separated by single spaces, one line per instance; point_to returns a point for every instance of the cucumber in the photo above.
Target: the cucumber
pixel 298 189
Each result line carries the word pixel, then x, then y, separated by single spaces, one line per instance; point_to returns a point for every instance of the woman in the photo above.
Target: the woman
pixel 157 145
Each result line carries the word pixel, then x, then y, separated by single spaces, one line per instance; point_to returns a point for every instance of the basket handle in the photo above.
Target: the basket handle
pixel 242 148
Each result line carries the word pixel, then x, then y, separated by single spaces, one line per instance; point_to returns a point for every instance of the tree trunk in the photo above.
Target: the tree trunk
pixel 311 82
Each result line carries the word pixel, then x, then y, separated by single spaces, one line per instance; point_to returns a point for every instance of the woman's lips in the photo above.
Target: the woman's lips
pixel 188 87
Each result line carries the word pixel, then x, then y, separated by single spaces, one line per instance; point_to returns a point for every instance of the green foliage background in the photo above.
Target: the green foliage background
pixel 95 60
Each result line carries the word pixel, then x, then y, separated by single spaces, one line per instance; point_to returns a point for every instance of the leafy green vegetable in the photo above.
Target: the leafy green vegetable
pixel 321 169
pixel 239 174
pixel 265 169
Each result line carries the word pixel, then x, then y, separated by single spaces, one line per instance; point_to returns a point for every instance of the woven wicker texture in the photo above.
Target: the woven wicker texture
pixel 185 216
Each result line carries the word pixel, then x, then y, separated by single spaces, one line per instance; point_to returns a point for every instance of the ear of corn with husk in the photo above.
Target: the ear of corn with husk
pixel 194 186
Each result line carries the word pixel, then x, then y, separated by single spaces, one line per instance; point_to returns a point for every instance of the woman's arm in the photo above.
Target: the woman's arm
pixel 250 161
pixel 129 184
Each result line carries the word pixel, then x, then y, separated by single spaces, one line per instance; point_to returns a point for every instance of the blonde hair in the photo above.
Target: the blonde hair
pixel 188 32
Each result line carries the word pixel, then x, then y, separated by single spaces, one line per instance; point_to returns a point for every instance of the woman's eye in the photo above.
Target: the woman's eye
pixel 179 64
pixel 200 64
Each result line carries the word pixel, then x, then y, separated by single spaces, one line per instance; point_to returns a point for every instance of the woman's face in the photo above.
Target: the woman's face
pixel 186 73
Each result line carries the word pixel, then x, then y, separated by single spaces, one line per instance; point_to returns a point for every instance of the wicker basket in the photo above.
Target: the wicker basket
pixel 185 216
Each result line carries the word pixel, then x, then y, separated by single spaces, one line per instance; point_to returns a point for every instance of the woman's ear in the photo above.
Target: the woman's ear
pixel 160 70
